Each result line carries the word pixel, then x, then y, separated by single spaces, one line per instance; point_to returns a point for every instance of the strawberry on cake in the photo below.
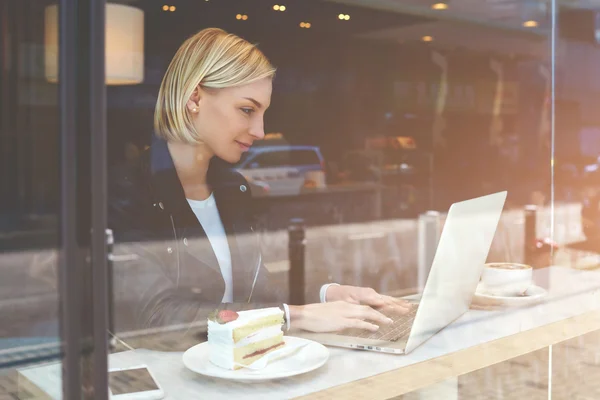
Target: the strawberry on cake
pixel 240 338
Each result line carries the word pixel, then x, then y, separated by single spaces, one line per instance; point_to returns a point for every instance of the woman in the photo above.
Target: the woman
pixel 182 216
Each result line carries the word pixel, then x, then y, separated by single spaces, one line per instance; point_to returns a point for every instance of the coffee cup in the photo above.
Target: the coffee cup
pixel 506 279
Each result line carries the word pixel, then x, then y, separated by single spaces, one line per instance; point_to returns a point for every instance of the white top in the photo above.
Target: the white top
pixel 208 215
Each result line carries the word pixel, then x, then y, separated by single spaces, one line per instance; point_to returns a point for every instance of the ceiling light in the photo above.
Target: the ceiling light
pixel 341 16
pixel 276 7
pixel 344 17
pixel 239 16
pixel 427 38
pixel 439 6
pixel 530 24
pixel 172 8
pixel 124 59
pixel 305 25
pixel 308 25
pixel 165 8
pixel 281 8
pixel 244 17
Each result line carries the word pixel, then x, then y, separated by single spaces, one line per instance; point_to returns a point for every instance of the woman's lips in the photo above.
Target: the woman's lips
pixel 244 146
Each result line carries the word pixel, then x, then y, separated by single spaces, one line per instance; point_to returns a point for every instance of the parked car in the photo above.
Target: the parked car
pixel 281 168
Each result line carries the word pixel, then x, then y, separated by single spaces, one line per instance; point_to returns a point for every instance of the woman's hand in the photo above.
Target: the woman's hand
pixel 336 316
pixel 367 296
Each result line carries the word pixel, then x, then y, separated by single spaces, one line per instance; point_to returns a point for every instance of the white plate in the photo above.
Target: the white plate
pixel 533 295
pixel 308 358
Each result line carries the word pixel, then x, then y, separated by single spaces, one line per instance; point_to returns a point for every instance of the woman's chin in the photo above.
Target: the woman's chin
pixel 231 158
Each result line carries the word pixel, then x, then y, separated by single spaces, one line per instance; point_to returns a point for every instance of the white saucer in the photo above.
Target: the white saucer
pixel 310 357
pixel 533 295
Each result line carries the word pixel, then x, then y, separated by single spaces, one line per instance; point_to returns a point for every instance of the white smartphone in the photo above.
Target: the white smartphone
pixel 133 383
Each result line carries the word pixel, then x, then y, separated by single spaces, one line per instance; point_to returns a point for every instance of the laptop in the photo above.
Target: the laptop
pixel 457 265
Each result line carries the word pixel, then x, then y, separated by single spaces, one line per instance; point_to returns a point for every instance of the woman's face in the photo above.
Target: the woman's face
pixel 229 120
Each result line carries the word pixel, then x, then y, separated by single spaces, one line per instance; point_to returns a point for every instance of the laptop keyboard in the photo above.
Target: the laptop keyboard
pixel 399 329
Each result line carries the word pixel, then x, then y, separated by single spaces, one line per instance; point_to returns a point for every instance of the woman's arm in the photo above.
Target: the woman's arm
pixel 149 288
pixel 158 301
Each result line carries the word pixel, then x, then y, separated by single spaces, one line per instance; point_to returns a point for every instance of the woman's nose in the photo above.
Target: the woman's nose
pixel 258 131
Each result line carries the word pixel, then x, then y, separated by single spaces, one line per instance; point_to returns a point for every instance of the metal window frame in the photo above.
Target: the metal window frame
pixel 83 251
pixel 100 282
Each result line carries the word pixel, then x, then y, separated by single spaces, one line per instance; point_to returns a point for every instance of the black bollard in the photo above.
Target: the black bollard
pixel 296 246
pixel 529 237
pixel 110 241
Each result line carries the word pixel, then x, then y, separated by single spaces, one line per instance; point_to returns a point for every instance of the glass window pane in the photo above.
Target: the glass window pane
pixel 417 111
pixel 29 196
pixel 576 194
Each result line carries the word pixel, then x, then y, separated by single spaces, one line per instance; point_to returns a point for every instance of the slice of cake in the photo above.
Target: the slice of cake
pixel 244 337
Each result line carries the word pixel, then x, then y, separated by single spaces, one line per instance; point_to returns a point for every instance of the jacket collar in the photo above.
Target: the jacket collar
pixel 225 184
pixel 220 173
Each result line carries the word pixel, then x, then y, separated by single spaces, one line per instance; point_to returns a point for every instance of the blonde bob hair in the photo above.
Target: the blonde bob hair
pixel 213 59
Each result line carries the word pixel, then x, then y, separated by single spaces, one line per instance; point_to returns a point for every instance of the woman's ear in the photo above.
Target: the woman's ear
pixel 193 103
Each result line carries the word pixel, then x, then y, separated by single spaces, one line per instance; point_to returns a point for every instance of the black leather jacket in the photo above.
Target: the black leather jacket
pixel 165 270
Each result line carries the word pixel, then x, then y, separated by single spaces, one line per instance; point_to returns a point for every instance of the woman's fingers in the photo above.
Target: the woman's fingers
pixel 370 297
pixel 396 305
pixel 354 311
pixel 359 324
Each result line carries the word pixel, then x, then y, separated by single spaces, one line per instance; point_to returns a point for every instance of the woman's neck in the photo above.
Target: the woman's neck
pixel 191 163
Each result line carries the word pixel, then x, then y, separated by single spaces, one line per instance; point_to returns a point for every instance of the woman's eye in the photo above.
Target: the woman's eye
pixel 247 110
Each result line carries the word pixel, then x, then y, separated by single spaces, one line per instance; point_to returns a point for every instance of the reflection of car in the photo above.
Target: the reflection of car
pixel 282 168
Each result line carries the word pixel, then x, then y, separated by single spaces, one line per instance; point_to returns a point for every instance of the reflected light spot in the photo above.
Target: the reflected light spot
pixel 530 24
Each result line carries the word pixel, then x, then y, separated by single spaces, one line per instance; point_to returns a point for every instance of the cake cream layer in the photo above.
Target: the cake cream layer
pixel 258 336
pixel 256 326
pixel 249 316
